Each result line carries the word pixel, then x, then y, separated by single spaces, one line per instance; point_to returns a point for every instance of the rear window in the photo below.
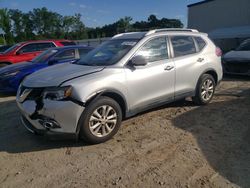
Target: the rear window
pixel 200 42
pixel 245 46
pixel 67 43
pixel 183 45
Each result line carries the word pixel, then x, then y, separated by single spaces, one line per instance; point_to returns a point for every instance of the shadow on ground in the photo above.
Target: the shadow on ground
pixel 223 135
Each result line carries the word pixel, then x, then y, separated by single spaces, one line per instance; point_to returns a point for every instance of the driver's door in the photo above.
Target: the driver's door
pixel 152 84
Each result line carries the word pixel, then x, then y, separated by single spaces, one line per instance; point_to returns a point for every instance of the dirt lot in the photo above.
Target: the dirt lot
pixel 178 145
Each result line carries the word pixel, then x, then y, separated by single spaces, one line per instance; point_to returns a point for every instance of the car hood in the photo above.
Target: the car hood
pixel 17 67
pixel 57 74
pixel 237 56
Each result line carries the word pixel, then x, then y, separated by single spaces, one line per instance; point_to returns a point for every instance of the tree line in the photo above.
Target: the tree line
pixel 41 23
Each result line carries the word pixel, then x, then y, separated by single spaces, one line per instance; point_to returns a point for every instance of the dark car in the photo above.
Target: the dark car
pixel 238 61
pixel 12 75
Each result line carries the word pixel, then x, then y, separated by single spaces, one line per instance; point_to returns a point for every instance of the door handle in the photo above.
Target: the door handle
pixel 168 68
pixel 200 60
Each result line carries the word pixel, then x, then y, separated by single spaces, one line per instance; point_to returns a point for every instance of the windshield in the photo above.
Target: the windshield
pixel 44 56
pixel 245 46
pixel 108 53
pixel 12 48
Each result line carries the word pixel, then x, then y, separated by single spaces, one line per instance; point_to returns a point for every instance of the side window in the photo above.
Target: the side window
pixel 44 46
pixel 83 52
pixel 155 50
pixel 200 42
pixel 67 54
pixel 28 48
pixel 183 45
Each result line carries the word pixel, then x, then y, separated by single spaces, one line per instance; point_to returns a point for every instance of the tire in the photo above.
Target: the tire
pixel 204 90
pixel 95 129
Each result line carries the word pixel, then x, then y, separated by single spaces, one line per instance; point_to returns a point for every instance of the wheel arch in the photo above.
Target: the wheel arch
pixel 212 72
pixel 113 94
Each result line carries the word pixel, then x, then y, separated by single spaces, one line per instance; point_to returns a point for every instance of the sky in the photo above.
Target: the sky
pixel 100 12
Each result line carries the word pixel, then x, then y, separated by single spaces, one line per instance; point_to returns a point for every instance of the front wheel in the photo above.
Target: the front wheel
pixel 100 120
pixel 205 90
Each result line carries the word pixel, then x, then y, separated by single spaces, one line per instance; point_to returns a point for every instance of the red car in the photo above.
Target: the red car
pixel 26 51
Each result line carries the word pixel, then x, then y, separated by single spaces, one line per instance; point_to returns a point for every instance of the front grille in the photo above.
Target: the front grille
pixel 237 67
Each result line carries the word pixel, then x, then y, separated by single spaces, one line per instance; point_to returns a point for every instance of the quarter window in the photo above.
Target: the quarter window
pixel 154 50
pixel 200 42
pixel 83 52
pixel 183 45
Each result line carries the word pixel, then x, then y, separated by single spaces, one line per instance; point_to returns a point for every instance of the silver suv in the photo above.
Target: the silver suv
pixel 128 74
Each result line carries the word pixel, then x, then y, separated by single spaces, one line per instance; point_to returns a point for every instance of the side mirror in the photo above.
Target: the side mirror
pixel 52 62
pixel 138 61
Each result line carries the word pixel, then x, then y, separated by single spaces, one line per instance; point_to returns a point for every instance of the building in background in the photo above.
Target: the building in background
pixel 226 21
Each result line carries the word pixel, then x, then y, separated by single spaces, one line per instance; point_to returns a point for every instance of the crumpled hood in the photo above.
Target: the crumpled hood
pixel 237 56
pixel 55 75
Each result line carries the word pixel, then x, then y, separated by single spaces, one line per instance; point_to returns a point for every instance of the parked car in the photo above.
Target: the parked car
pixel 238 61
pixel 26 51
pixel 12 75
pixel 4 48
pixel 128 74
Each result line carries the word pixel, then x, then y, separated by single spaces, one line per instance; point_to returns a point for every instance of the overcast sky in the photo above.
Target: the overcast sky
pixel 101 12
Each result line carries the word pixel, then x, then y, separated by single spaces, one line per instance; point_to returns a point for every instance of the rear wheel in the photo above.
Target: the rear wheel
pixel 100 120
pixel 205 90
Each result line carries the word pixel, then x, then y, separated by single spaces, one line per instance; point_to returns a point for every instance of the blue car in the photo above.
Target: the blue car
pixel 12 75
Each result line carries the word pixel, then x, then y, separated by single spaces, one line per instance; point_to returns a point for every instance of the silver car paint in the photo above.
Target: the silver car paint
pixel 140 86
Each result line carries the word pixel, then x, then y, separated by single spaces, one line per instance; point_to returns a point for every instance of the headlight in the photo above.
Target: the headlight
pixel 58 93
pixel 10 74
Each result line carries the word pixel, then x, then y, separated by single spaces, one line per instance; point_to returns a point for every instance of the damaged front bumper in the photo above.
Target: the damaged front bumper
pixel 45 116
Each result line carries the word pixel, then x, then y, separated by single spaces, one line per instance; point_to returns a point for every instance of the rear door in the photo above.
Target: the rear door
pixel 187 63
pixel 152 84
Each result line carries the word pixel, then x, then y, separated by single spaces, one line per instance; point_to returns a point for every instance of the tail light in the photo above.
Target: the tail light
pixel 218 52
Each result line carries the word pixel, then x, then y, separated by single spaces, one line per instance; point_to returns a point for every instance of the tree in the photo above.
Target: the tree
pixel 123 25
pixel 5 24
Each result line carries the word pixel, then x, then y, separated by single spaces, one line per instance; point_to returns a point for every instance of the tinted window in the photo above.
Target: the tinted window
pixel 183 45
pixel 245 46
pixel 154 50
pixel 83 52
pixel 200 42
pixel 67 54
pixel 28 48
pixel 44 56
pixel 67 43
pixel 44 46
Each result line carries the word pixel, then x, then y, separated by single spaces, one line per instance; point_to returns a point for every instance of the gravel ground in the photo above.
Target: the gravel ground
pixel 178 145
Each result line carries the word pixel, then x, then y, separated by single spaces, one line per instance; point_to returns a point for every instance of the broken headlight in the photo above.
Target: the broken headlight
pixel 57 93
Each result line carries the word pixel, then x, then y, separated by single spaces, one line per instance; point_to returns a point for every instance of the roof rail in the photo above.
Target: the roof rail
pixel 170 29
pixel 121 34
